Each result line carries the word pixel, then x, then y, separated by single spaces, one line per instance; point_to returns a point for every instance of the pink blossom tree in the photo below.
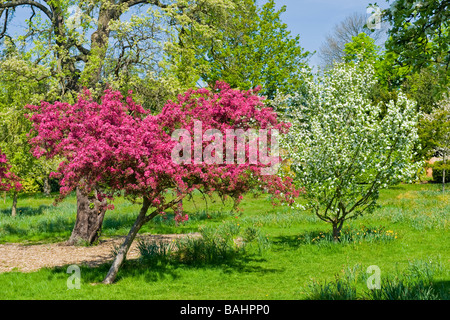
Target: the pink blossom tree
pixel 8 180
pixel 119 147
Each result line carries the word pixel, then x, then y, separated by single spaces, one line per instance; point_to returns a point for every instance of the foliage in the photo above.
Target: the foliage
pixel 332 49
pixel 363 51
pixel 419 33
pixel 344 149
pixel 118 43
pixel 8 180
pixel 362 48
pixel 16 90
pixel 423 87
pixel 114 147
pixel 436 133
pixel 439 121
pixel 438 170
pixel 252 47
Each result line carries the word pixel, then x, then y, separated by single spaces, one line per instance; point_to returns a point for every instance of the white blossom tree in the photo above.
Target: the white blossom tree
pixel 343 148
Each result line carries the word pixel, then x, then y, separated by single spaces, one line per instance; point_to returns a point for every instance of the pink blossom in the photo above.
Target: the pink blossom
pixel 118 146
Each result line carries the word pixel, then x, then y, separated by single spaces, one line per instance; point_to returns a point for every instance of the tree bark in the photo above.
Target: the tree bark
pixel 140 221
pixel 47 188
pixel 337 227
pixel 125 246
pixel 443 175
pixel 14 205
pixel 90 214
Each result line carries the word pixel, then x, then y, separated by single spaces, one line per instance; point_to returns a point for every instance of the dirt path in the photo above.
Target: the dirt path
pixel 27 258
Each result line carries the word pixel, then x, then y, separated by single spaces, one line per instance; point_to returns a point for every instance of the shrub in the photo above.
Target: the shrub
pixel 153 252
pixel 438 169
pixel 349 235
pixel 216 245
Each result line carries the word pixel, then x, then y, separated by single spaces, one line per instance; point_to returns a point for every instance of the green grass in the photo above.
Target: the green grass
pixel 300 260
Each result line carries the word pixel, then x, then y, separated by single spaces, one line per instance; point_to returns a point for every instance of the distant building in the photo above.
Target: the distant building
pixel 431 161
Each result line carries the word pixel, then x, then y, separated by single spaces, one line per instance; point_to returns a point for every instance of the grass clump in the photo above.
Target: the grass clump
pixel 417 282
pixel 215 245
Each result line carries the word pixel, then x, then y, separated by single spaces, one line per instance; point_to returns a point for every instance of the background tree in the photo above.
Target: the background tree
pixel 343 148
pixel 332 49
pixel 250 47
pixel 419 39
pixel 8 180
pixel 437 126
pixel 116 145
pixel 21 82
pixel 419 34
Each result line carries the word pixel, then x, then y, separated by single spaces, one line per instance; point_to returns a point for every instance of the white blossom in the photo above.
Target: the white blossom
pixel 343 148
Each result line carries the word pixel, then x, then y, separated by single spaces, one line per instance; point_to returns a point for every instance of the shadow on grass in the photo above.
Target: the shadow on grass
pixel 172 268
pixel 307 237
pixel 139 269
pixel 348 235
pixel 27 211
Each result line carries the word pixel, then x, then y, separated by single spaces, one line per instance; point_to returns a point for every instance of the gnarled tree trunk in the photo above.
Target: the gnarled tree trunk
pixel 90 214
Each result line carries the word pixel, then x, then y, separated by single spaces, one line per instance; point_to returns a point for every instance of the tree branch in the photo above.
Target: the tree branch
pixel 157 3
pixel 164 207
pixel 18 3
pixel 5 24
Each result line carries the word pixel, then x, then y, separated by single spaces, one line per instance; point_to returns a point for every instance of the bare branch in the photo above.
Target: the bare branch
pixel 157 3
pixel 5 24
pixel 18 3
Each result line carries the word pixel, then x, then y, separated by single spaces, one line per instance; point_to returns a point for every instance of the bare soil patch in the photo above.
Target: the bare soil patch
pixel 28 258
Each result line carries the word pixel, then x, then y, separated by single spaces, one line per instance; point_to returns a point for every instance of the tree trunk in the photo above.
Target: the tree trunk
pixel 47 188
pixel 90 214
pixel 125 246
pixel 179 205
pixel 443 175
pixel 14 205
pixel 337 231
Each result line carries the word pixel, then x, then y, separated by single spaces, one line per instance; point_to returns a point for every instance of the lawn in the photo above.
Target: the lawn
pixel 293 257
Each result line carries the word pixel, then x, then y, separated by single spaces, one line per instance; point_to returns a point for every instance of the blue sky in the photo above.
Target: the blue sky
pixel 314 19
pixel 311 19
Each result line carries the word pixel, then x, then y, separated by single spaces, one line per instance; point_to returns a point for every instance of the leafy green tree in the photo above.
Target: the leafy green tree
pixel 332 49
pixel 361 50
pixel 250 47
pixel 16 90
pixel 420 34
pixel 439 132
pixel 423 86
